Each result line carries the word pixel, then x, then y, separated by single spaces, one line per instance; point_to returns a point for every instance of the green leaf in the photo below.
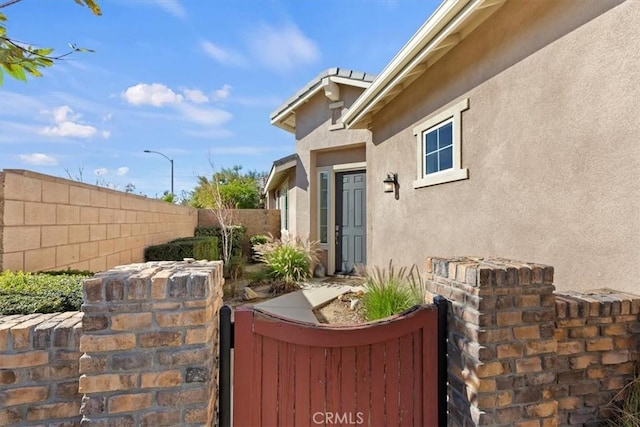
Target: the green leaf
pixel 16 71
pixel 91 4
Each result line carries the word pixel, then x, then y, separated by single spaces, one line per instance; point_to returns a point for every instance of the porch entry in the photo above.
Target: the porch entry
pixel 291 373
pixel 350 221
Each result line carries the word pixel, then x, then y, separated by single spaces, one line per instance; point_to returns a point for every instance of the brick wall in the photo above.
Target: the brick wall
pixel 39 369
pixel 521 355
pixel 150 345
pixel 49 223
pixel 257 221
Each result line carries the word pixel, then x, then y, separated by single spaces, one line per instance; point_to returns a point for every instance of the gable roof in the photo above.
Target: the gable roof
pixel 279 170
pixel 285 116
pixel 451 22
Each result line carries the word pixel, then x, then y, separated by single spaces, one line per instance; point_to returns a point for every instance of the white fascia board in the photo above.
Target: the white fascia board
pixel 282 115
pixel 276 174
pixel 429 31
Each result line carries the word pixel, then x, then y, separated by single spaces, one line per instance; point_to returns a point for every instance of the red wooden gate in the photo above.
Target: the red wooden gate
pixel 289 373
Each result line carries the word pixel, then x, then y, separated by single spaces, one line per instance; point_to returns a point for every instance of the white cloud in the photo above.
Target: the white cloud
pixel 174 7
pixel 284 48
pixel 65 124
pixel 196 96
pixel 121 171
pixel 223 56
pixel 38 159
pixel 100 171
pixel 106 134
pixel 155 94
pixel 64 114
pixel 71 129
pixel 223 92
pixel 205 116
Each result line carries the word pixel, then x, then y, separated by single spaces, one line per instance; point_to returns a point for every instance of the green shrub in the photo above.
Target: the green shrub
pixel 288 262
pixel 390 291
pixel 186 247
pixel 236 239
pixel 26 293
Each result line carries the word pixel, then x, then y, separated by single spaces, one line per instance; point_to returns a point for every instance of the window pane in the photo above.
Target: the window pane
pixel 432 163
pixel 445 135
pixel 446 158
pixel 432 141
pixel 324 205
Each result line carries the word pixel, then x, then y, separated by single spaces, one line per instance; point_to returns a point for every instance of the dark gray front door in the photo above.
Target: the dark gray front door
pixel 351 217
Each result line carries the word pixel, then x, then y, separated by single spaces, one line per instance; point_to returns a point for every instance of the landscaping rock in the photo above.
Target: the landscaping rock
pixel 249 294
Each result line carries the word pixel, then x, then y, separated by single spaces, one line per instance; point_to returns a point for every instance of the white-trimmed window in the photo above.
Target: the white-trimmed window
pixel 323 207
pixel 438 146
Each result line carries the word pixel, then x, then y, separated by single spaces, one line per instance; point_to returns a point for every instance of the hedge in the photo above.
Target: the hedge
pixel 236 240
pixel 27 293
pixel 201 247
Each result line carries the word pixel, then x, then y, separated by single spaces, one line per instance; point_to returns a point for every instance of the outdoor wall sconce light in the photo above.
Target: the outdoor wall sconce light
pixel 390 182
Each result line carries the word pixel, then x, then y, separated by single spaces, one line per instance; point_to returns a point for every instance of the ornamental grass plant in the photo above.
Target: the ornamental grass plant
pixel 627 412
pixel 289 261
pixel 390 291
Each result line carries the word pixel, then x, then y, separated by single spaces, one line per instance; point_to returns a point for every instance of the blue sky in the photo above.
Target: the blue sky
pixel 193 79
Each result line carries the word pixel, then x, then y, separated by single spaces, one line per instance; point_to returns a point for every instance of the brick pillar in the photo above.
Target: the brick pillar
pixel 150 344
pixel 501 340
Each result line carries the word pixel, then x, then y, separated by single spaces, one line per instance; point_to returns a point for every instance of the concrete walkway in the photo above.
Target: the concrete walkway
pixel 299 305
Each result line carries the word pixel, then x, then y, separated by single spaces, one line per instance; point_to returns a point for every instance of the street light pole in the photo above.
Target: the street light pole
pixel 170 160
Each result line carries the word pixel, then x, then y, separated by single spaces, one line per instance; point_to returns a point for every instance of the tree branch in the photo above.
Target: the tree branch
pixel 9 3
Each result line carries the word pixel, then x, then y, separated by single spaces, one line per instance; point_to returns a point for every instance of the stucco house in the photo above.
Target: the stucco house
pixel 329 161
pixel 512 129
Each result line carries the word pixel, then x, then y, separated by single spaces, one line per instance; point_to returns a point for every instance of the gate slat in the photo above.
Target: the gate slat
pixel 286 385
pixel 430 373
pixel 302 372
pixel 393 383
pixel 376 404
pixel 363 381
pixel 407 372
pixel 270 377
pixel 334 373
pixel 348 381
pixel 245 410
pixel 317 385
pixel 418 390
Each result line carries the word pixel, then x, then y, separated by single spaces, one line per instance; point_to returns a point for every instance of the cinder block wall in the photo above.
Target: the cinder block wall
pixel 50 223
pixel 150 344
pixel 521 355
pixel 257 221
pixel 39 369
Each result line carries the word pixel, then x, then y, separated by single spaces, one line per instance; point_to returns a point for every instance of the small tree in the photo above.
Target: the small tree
pixel 225 214
pixel 234 187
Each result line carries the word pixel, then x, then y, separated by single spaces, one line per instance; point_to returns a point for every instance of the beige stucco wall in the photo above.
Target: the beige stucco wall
pixel 551 141
pixel 51 223
pixel 318 145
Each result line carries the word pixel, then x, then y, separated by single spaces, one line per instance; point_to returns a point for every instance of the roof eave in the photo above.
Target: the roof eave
pixel 444 29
